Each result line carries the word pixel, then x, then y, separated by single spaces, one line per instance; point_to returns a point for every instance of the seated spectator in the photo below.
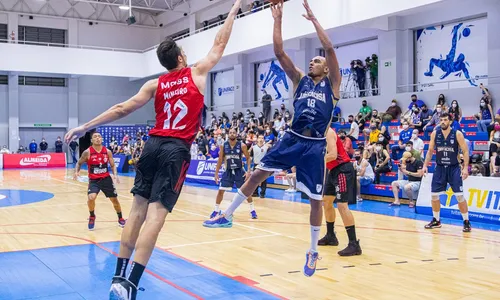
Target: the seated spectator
pixel 456 114
pixel 346 142
pixel 365 174
pixel 417 143
pixel 194 150
pixel 353 133
pixel 373 134
pixel 268 135
pixel 33 146
pixel 291 177
pixel 425 117
pixel 411 167
pixel 383 164
pixel 477 170
pixel 441 102
pixel 415 117
pixel 281 133
pixel 414 152
pixel 495 146
pixel 385 142
pixel 414 101
pixel 404 137
pixel 213 153
pixel 375 115
pixel 431 125
pixel 279 122
pixel 485 116
pixel 365 113
pixel 393 112
pixel 200 156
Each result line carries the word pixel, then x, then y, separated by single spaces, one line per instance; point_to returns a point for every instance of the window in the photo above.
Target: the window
pixel 3 33
pixel 42 81
pixel 57 37
pixel 4 79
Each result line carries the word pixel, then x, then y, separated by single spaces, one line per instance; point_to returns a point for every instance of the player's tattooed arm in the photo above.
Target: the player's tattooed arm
pixel 83 159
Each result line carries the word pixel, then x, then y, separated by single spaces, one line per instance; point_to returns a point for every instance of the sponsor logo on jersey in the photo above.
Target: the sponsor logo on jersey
pixel 41 159
pixel 312 94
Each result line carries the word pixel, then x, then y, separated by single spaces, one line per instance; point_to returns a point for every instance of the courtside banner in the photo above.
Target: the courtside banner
pixel 203 171
pixel 26 161
pixel 482 195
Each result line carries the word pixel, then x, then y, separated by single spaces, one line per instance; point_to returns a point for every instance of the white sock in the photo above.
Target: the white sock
pixel 465 216
pixel 315 230
pixel 216 207
pixel 237 200
pixel 436 215
pixel 252 207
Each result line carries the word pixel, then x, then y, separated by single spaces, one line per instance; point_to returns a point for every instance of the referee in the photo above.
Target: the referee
pixel 258 151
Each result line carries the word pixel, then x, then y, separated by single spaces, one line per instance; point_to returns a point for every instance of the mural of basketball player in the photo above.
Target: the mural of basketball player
pixel 279 76
pixel 448 65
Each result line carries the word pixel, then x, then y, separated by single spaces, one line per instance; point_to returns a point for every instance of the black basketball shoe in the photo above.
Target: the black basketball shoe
pixel 352 249
pixel 433 224
pixel 329 240
pixel 122 289
pixel 467 227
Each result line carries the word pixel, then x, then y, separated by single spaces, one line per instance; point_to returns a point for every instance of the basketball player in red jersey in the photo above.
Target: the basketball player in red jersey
pixel 97 158
pixel 338 187
pixel 163 164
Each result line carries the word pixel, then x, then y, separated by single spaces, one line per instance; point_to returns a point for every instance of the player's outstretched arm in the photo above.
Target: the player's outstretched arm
pixel 117 111
pixel 291 71
pixel 206 64
pixel 331 57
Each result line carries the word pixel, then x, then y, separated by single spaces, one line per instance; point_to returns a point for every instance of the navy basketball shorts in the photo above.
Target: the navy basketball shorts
pixel 339 183
pixel 232 178
pixel 444 175
pixel 306 154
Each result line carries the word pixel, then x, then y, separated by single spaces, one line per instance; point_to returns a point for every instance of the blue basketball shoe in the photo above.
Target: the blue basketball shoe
pixel 220 221
pixel 215 213
pixel 311 260
pixel 253 214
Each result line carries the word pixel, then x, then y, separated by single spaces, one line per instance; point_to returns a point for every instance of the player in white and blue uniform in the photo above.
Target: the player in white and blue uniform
pixel 447 142
pixel 231 153
pixel 304 145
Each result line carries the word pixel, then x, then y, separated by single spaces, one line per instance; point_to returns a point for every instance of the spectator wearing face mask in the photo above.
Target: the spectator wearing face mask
pixel 373 132
pixel 288 117
pixel 281 133
pixel 346 142
pixel 382 165
pixel 353 133
pixel 485 116
pixel 276 114
pixel 495 146
pixel 214 151
pixel 43 146
pixel 414 101
pixel 279 122
pixel 282 109
pixel 404 137
pixel 412 167
pixel 393 112
pixel 456 114
pixel 72 146
pixel 33 146
pixel 202 143
pixel 431 125
pixel 261 119
pixel 442 103
pixel 266 106
pixel 59 145
pixel 268 135
pixel 425 117
pixel 415 116
pixel 336 114
pixel 365 174
pixel 385 142
pixel 418 143
pixel 365 111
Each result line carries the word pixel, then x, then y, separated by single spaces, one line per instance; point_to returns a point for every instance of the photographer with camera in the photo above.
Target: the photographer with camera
pixel 372 65
pixel 412 167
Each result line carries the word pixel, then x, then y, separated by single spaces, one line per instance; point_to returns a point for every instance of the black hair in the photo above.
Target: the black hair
pixel 168 53
pixel 446 115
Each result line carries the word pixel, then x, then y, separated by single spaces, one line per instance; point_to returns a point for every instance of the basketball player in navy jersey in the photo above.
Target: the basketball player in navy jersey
pixel 447 141
pixel 303 146
pixel 234 175
pixel 163 164
pixel 338 187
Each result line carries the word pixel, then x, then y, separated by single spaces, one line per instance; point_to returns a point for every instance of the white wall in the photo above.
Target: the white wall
pixel 4 115
pixel 117 36
pixel 3 18
pixel 96 94
pixel 43 104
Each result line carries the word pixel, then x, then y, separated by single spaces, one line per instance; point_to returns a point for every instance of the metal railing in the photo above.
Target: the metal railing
pixel 439 85
pixel 69 46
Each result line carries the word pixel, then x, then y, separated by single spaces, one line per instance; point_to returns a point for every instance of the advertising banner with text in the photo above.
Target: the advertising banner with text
pixel 26 161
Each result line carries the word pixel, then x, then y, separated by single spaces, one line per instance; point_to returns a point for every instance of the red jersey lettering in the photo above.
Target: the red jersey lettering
pixel 342 156
pixel 98 163
pixel 178 106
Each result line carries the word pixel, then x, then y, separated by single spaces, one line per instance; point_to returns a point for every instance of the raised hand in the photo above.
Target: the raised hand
pixel 309 14
pixel 277 10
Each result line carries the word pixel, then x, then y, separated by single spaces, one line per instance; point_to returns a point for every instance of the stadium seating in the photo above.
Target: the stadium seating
pixel 119 132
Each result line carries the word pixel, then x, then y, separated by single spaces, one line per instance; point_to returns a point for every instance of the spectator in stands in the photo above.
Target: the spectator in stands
pixel 261 120
pixel 497 119
pixel 269 135
pixel 257 152
pixel 431 125
pixel 414 152
pixel 373 134
pixel 477 170
pixel 43 146
pixel 20 150
pixel 456 113
pixel 384 140
pixel 417 143
pixel 202 143
pixel 425 117
pixel 414 101
pixel 248 116
pixel 441 102
pixel 125 138
pixel 347 143
pixel 393 112
pixel 281 133
pixel 375 115
pixel 365 113
pixel 360 71
pixel 214 151
pixel 200 156
pixel 404 137
pixel 279 122
pixel 33 146
pixel 225 124
pixel 415 116
pixel 412 167
pixel 383 164
pixel 354 131
pixel 495 146
pixel 486 94
pixel 4 150
pixel 125 149
pixel 194 150
pixel 485 115
pixel 365 174
pixel 59 145
pixel 276 114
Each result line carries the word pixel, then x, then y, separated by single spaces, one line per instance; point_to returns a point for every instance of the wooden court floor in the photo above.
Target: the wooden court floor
pixel 400 259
